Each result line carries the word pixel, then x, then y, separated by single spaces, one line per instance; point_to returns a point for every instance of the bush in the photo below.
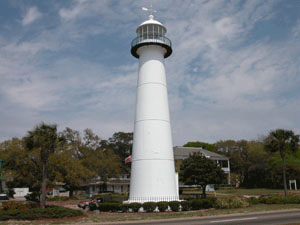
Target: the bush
pixel 203 203
pixel 110 207
pixel 125 207
pixel 19 205
pixel 209 202
pixel 34 196
pixel 185 205
pixel 174 206
pixel 291 199
pixel 149 206
pixel 135 206
pixel 196 204
pixel 93 206
pixel 162 206
pixel 231 203
pixel 37 213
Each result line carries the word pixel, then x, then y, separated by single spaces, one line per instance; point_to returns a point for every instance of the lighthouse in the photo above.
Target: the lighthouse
pixel 153 176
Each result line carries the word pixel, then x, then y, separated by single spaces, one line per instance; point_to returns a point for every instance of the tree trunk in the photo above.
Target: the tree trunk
pixel 203 191
pixel 43 197
pixel 284 177
pixel 71 192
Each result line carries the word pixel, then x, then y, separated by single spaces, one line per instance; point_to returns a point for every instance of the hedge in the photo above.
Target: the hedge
pixel 162 206
pixel 39 213
pixel 291 199
pixel 231 203
pixel 175 206
pixel 9 205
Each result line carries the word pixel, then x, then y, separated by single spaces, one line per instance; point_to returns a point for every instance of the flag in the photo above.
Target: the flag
pixel 128 159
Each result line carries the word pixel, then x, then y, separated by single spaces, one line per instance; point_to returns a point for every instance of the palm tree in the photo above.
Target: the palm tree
pixel 281 141
pixel 44 137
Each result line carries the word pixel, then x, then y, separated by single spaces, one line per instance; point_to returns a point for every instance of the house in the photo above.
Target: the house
pixel 117 185
pixel 121 184
pixel 181 153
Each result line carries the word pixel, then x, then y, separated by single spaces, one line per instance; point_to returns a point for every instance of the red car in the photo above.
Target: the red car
pixel 85 204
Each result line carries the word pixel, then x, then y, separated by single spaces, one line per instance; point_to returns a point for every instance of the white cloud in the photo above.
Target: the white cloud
pixel 32 15
pixel 221 83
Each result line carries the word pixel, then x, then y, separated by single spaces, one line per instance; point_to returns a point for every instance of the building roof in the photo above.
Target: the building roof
pixel 184 152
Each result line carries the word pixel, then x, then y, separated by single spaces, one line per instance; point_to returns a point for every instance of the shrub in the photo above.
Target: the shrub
pixel 34 196
pixel 149 206
pixel 185 205
pixel 209 202
pixel 93 206
pixel 196 204
pixel 174 206
pixel 162 206
pixel 125 207
pixel 231 203
pixel 19 205
pixel 291 199
pixel 31 214
pixel 135 206
pixel 110 207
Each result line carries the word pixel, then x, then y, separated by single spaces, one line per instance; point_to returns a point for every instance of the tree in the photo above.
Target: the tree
pixel 237 151
pixel 281 140
pixel 121 144
pixel 69 170
pixel 44 137
pixel 200 171
pixel 197 144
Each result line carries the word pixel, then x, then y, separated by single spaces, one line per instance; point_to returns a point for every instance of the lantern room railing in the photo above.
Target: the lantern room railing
pixel 151 40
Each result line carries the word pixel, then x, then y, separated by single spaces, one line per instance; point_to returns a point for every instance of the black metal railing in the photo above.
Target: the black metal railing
pixel 151 39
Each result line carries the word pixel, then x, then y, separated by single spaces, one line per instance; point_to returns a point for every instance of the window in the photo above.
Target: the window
pixel 224 163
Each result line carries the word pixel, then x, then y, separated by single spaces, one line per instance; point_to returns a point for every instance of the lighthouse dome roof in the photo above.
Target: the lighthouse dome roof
pixel 151 21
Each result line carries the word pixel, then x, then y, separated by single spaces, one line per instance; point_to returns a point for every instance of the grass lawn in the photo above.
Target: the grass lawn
pixel 231 191
pixel 222 192
pixel 115 217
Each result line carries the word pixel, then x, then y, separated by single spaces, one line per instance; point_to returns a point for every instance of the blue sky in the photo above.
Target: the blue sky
pixel 234 72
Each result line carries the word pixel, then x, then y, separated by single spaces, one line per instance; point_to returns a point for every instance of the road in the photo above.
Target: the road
pixel 275 218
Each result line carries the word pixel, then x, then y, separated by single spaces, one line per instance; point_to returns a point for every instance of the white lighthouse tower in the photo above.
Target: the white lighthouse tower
pixel 153 175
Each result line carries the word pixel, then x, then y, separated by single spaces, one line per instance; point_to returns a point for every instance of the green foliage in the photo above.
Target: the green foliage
pixel 200 171
pixel 39 213
pixel 109 207
pixel 149 206
pixel 72 161
pixel 120 144
pixel 11 205
pixel 43 137
pixel 197 144
pixel 207 203
pixel 174 205
pixel 185 205
pixel 135 206
pixel 291 199
pixel 93 206
pixel 231 203
pixel 34 196
pixel 162 206
pixel 282 141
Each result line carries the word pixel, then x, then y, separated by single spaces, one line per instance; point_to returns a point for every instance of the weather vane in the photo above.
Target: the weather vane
pixel 150 9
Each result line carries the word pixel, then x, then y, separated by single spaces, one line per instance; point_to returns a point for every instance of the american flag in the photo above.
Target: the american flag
pixel 128 159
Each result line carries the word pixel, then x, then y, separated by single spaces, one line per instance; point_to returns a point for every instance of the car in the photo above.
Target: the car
pixel 85 204
pixel 3 197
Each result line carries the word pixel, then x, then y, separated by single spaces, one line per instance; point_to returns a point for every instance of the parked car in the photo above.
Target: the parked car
pixel 85 204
